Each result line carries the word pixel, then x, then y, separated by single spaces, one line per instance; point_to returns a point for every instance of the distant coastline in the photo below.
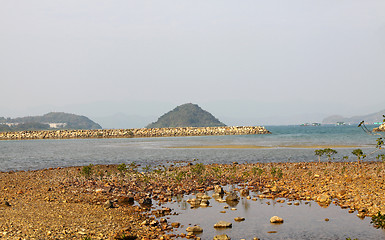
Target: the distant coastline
pixel 133 133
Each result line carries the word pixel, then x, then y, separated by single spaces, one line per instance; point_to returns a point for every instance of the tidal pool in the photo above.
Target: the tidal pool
pixel 303 221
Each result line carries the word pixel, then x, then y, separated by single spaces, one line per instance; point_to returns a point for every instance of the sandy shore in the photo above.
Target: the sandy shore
pixel 267 147
pixel 64 204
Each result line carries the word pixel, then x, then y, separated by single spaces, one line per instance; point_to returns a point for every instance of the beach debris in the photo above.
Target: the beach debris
pixel 276 219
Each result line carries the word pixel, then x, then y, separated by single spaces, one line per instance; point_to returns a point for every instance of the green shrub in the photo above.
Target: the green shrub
pixel 87 170
pixel 378 220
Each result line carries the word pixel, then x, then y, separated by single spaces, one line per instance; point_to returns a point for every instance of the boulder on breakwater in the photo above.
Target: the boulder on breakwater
pixel 133 133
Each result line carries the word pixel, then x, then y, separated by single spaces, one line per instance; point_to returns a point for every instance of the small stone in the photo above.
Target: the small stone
pixel 276 219
pixel 218 189
pixel 175 224
pixel 5 203
pixel 146 201
pixel 244 192
pixel 108 204
pixel 326 219
pixel 154 223
pixel 145 223
pixel 221 237
pixel 233 209
pixel 239 219
pixel 194 229
pixel 323 199
pixel 223 224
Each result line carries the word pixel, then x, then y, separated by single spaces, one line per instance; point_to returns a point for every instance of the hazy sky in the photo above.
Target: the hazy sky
pixel 255 60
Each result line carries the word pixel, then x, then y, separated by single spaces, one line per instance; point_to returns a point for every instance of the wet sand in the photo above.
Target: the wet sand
pixel 268 147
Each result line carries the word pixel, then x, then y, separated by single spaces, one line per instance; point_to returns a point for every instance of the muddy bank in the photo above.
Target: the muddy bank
pixel 132 133
pixel 79 202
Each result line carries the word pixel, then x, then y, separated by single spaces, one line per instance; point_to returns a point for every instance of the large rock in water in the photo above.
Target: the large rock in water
pixel 187 115
pixel 276 219
pixel 194 229
pixel 223 224
pixel 232 197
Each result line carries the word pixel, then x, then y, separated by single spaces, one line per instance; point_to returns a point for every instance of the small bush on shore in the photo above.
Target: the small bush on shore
pixel 87 171
pixel 122 168
pixel 327 151
pixel 359 153
pixel 378 220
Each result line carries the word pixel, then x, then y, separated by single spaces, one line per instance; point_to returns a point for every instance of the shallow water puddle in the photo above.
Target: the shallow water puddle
pixel 307 220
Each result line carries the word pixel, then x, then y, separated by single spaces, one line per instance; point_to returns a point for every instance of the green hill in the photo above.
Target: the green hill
pixel 49 121
pixel 187 115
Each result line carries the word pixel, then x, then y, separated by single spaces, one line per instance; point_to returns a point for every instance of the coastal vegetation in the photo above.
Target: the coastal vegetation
pixel 326 151
pixel 49 121
pixel 186 115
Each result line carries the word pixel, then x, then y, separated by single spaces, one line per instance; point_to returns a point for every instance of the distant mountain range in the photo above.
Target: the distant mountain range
pixel 49 121
pixel 369 119
pixel 187 115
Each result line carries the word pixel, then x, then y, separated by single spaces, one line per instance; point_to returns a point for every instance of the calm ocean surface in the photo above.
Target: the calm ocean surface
pixel 39 154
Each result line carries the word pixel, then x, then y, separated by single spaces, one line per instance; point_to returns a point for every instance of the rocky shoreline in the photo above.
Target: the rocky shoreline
pixel 381 128
pixel 133 133
pixel 95 202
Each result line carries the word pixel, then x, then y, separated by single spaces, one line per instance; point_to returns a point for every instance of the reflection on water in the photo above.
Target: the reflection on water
pixel 303 220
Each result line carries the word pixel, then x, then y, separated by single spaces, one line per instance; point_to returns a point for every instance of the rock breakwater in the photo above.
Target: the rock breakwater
pixel 133 133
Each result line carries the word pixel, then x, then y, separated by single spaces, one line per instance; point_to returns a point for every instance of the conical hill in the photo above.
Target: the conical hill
pixel 187 115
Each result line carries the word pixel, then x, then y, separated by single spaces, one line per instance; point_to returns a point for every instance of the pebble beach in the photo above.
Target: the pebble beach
pixel 125 202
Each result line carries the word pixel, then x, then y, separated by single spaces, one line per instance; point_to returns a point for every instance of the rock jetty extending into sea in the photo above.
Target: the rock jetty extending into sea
pixel 133 133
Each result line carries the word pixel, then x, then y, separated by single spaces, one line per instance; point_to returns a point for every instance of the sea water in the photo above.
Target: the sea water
pixel 285 144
